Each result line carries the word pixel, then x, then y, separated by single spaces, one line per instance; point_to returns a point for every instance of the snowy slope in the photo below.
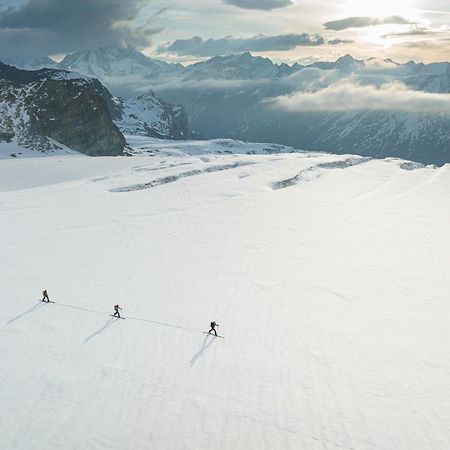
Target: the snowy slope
pixel 145 146
pixel 13 150
pixel 327 274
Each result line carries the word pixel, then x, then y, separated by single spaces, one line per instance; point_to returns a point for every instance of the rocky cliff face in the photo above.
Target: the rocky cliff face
pixel 49 109
pixel 72 113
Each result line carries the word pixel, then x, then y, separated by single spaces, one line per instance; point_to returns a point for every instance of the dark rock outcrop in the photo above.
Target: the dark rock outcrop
pixel 72 113
pixel 45 108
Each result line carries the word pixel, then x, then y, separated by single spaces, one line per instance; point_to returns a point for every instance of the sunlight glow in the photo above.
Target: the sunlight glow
pixel 378 8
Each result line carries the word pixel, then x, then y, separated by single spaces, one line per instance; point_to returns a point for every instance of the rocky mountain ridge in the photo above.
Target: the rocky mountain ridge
pixel 51 109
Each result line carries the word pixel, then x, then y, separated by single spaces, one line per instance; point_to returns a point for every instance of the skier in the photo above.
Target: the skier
pixel 213 328
pixel 116 309
pixel 45 296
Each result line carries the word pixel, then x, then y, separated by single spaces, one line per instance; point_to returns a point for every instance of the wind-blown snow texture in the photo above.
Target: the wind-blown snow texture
pixel 331 291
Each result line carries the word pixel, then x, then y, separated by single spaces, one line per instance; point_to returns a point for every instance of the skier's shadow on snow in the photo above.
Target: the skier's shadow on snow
pixel 25 313
pixel 101 330
pixel 205 345
pixel 157 323
pixel 77 307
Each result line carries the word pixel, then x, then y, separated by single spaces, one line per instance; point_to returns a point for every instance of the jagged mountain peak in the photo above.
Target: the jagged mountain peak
pixel 234 67
pixel 348 62
pixel 110 59
pixel 347 58
pixel 238 58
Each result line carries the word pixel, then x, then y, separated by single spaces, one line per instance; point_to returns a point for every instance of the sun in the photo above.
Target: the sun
pixel 378 8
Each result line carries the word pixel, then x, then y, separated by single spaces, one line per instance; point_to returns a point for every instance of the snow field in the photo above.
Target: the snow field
pixel 331 294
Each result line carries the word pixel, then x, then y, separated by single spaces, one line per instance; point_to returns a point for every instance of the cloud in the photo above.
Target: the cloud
pixel 229 45
pixel 340 41
pixel 348 96
pixel 266 5
pixel 418 31
pixel 360 22
pixel 54 26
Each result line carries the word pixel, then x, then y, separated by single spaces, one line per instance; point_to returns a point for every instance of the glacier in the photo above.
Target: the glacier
pixel 328 275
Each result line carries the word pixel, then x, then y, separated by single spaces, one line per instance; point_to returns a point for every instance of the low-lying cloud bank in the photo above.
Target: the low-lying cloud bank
pixel 229 45
pixel 348 96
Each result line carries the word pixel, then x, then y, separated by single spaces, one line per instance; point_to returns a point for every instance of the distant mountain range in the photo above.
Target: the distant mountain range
pixel 226 97
pixel 127 71
pixel 127 68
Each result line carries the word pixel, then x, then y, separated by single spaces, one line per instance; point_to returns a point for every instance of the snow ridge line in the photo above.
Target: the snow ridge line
pixel 314 172
pixel 173 178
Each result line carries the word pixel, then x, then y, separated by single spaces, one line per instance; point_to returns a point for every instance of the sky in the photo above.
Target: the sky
pixel 187 31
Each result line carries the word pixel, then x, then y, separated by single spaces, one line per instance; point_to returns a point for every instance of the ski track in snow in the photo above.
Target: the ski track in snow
pixel 331 295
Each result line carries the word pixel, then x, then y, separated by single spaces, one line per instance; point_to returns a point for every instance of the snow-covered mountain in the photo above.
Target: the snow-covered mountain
pixel 345 63
pixel 122 70
pixel 48 110
pixel 421 137
pixel 126 70
pixel 147 115
pixel 226 97
pixel 327 274
pixel 417 136
pixel 433 77
pixel 118 65
pixel 237 67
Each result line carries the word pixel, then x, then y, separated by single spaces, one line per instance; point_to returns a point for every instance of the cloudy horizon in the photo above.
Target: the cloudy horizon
pixel 178 31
